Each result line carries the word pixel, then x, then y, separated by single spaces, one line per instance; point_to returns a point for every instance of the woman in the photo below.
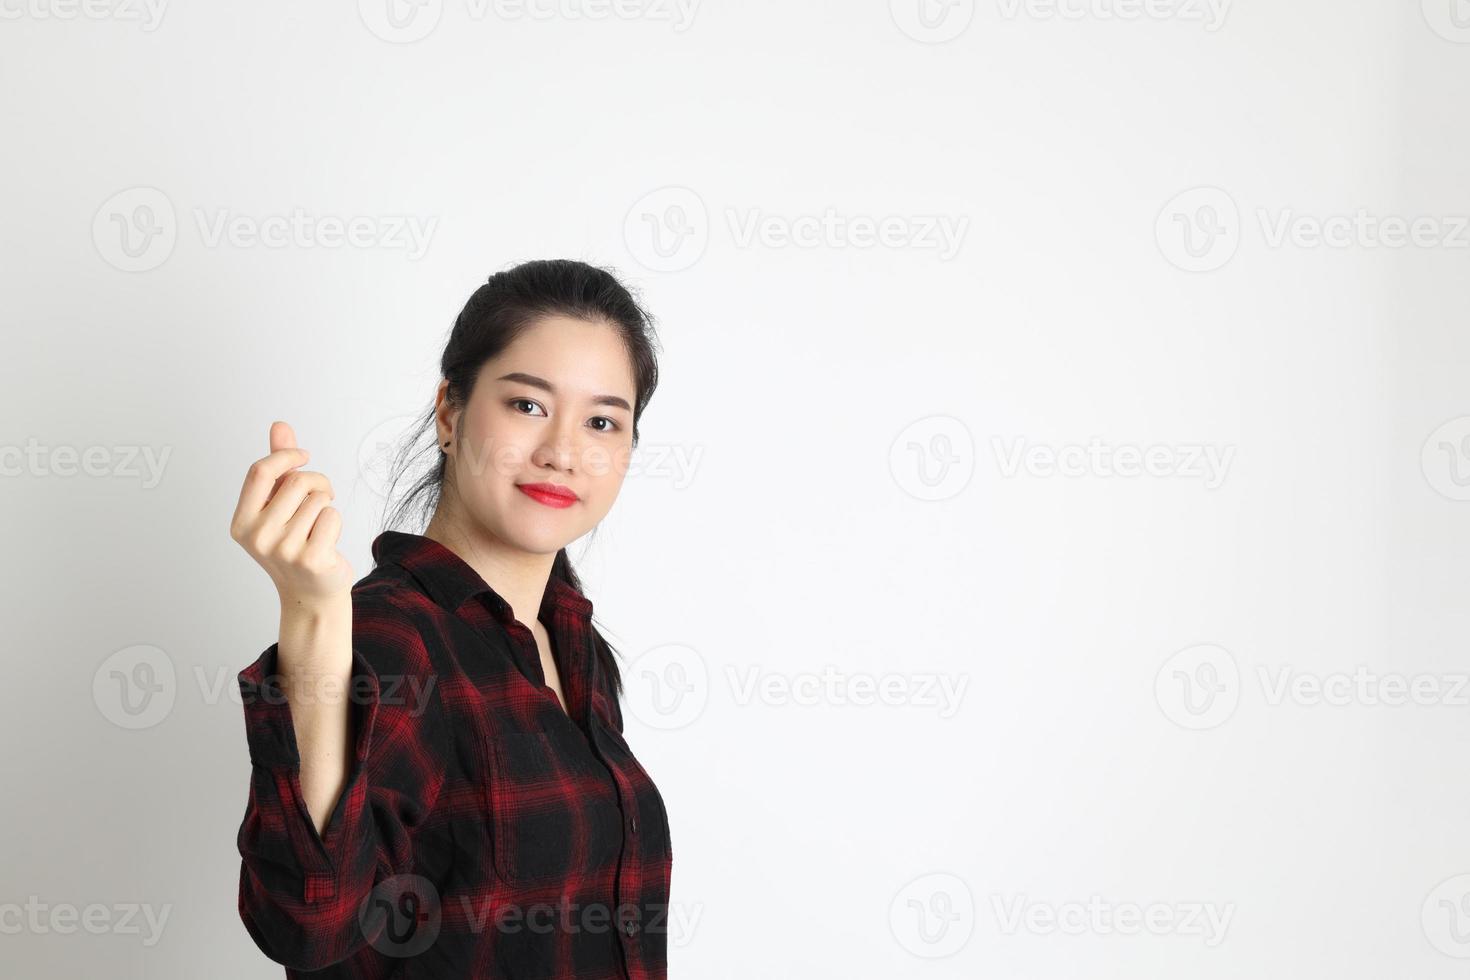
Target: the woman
pixel 440 786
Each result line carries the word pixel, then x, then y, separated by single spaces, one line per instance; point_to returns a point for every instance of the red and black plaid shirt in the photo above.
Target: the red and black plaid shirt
pixel 484 831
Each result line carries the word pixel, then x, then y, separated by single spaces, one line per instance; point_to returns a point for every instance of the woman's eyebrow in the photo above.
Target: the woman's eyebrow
pixel 547 386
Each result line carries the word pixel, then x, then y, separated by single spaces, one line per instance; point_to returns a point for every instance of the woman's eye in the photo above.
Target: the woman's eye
pixel 516 402
pixel 606 424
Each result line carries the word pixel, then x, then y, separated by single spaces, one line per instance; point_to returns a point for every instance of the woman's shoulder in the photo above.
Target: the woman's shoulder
pixel 389 587
pixel 393 621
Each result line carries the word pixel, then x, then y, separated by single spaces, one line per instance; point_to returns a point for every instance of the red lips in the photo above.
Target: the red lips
pixel 550 494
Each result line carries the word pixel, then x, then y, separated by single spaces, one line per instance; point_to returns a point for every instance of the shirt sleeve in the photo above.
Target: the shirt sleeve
pixel 300 891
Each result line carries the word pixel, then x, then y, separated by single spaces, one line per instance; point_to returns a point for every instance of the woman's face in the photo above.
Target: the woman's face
pixel 556 407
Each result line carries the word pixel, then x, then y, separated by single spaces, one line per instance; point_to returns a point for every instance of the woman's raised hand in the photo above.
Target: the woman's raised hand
pixel 284 522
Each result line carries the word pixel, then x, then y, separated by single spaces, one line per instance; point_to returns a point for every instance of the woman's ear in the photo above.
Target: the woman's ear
pixel 445 415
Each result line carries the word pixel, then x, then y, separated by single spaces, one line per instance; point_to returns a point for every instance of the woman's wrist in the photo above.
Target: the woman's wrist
pixel 316 636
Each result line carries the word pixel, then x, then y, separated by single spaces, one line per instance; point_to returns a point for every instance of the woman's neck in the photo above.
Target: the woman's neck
pixel 519 577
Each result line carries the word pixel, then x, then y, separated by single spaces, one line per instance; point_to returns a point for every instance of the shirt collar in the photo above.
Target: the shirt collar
pixel 449 580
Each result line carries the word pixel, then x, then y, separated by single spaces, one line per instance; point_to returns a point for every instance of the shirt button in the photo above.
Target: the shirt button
pixel 634 824
pixel 630 928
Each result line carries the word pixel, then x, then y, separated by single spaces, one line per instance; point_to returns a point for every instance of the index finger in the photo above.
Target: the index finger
pixel 264 476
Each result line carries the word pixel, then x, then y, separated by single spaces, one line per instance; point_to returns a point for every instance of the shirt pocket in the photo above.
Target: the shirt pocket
pixel 552 817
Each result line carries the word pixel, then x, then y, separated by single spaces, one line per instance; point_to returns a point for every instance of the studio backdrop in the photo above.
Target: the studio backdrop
pixel 1046 551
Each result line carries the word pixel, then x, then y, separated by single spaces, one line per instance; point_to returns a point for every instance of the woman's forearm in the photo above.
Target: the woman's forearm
pixel 315 661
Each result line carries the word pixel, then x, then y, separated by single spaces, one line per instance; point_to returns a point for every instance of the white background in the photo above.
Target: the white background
pixel 827 485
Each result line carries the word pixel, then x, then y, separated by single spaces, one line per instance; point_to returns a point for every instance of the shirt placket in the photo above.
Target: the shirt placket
pixel 574 643
pixel 628 880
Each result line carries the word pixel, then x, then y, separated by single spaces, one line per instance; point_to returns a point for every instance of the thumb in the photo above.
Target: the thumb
pixel 282 437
